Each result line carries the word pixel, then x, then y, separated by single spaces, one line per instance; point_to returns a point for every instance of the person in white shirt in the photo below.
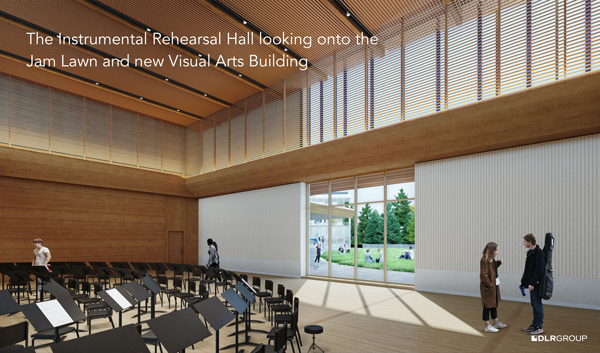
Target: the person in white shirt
pixel 41 254
pixel 41 257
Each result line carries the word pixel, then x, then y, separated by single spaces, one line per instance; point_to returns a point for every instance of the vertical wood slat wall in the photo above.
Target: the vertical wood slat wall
pixel 446 55
pixel 500 196
pixel 83 223
pixel 41 118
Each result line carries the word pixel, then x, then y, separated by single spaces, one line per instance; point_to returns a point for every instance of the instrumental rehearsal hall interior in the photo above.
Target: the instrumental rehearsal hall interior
pixel 299 176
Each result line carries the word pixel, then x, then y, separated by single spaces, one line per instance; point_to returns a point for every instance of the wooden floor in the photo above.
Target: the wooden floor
pixel 362 318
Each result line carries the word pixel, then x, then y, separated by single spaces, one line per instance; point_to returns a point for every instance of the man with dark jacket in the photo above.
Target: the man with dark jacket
pixel 534 269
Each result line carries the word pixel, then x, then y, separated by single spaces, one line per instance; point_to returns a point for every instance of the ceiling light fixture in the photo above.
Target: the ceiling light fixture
pixel 245 22
pixel 166 79
pixel 240 75
pixel 97 83
pixel 205 94
pixel 285 49
pixel 348 14
pixel 177 109
pixel 148 29
pixel 141 97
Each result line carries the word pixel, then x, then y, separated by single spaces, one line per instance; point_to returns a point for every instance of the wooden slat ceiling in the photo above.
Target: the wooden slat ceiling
pixel 183 18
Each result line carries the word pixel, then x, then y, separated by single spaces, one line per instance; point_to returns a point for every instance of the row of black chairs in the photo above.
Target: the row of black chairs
pixel 85 281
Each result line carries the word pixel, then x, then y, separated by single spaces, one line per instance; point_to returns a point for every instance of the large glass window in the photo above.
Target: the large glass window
pixel 318 229
pixel 368 223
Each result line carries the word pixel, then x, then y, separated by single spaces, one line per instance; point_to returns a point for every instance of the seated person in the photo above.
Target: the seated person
pixel 368 257
pixel 408 255
pixel 379 256
pixel 341 250
pixel 346 248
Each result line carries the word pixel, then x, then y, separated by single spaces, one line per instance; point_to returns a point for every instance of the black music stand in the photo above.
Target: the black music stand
pixel 139 293
pixel 116 264
pixel 178 330
pixel 124 339
pixel 246 293
pixel 43 316
pixel 216 313
pixel 118 299
pixel 58 291
pixel 140 266
pixel 43 274
pixel 8 305
pixel 154 287
pixel 240 306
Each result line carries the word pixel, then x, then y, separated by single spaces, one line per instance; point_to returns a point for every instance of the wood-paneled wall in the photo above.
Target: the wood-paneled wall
pixel 88 223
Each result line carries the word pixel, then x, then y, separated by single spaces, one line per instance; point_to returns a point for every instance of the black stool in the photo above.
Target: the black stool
pixel 314 330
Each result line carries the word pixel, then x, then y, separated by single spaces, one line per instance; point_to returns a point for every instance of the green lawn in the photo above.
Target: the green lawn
pixel 393 262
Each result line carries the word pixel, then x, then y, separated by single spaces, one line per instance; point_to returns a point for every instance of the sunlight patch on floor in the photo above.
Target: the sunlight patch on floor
pixel 437 317
pixel 405 306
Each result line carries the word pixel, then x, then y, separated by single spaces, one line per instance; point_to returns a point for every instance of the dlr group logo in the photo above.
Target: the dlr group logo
pixel 559 338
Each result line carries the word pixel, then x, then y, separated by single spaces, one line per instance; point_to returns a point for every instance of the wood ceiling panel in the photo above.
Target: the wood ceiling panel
pixel 379 15
pixel 302 18
pixel 126 79
pixel 190 18
pixel 73 19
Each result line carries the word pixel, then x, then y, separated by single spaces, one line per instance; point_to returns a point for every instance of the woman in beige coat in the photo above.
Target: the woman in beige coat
pixel 490 287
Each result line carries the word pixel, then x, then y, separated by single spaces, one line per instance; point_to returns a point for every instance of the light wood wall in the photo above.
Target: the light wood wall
pixel 85 223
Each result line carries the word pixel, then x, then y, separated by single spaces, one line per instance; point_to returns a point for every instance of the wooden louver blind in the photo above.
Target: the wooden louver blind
pixel 97 131
pixel 29 115
pixel 150 141
pixel 319 188
pixel 193 149
pixel 221 119
pixel 66 123
pixel 4 110
pixel 401 176
pixel 124 137
pixel 342 184
pixel 254 127
pixel 274 119
pixel 237 138
pixel 172 148
pixel 208 146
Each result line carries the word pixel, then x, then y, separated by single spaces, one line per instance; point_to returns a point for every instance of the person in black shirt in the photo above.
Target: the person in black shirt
pixel 534 269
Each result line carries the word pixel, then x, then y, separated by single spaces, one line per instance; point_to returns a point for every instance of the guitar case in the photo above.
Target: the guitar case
pixel 547 283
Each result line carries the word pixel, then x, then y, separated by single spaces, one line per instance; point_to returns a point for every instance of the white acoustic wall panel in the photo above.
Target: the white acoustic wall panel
pixel 466 202
pixel 260 231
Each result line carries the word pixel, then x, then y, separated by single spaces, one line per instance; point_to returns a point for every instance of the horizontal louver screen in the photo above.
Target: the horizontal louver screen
pixel 150 141
pixel 124 139
pixel 274 119
pixel 319 188
pixel 172 148
pixel 97 131
pixel 4 109
pixel 238 134
pixel 208 146
pixel 401 176
pixel 66 123
pixel 193 149
pixel 29 115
